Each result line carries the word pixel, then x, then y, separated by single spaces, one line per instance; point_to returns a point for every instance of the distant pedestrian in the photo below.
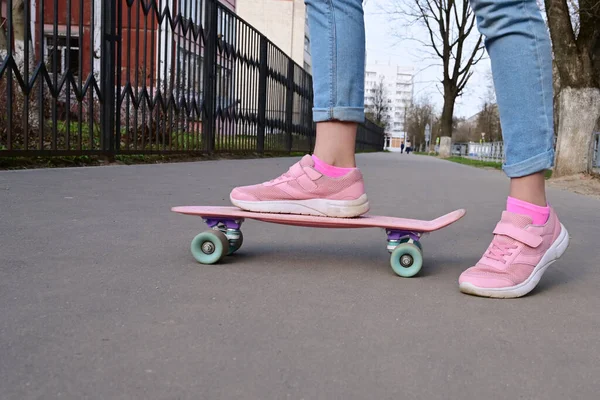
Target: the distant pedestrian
pixel 402 148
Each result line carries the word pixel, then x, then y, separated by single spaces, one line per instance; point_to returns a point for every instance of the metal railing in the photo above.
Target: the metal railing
pixel 144 76
pixel 495 151
pixel 491 151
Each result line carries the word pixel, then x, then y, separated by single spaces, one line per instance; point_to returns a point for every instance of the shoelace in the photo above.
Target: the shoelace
pixel 498 250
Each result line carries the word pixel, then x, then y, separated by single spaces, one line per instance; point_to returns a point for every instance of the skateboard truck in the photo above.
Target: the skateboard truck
pixel 397 237
pixel 227 223
pixel 231 228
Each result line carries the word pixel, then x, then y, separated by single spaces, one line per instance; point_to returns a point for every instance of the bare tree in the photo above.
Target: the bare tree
pixel 453 39
pixel 465 131
pixel 488 119
pixel 377 110
pixel 488 122
pixel 418 116
pixel 575 32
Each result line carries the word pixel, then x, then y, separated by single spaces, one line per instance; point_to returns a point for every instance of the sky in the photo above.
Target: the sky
pixel 387 42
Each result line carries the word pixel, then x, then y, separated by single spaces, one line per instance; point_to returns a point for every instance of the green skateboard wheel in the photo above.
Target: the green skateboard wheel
pixel 406 260
pixel 210 247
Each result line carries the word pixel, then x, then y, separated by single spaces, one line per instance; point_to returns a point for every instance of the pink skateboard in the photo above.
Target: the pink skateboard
pixel 225 236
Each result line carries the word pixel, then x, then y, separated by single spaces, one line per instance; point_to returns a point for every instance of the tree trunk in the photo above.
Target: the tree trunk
pixel 3 37
pixel 579 97
pixel 24 44
pixel 579 111
pixel 447 113
pixel 21 35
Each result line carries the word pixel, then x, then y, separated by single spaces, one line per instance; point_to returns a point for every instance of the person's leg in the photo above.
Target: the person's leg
pixel 328 182
pixel 338 52
pixel 529 236
pixel 336 143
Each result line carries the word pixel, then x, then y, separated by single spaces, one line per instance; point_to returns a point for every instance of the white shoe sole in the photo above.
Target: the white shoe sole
pixel 555 251
pixel 316 207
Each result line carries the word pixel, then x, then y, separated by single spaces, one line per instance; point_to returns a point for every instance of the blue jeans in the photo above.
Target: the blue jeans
pixel 519 48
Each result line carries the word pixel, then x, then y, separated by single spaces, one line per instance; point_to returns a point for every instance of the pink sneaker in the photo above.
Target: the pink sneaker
pixel 304 190
pixel 519 254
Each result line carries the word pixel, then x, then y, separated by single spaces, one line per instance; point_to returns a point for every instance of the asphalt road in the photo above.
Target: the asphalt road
pixel 101 299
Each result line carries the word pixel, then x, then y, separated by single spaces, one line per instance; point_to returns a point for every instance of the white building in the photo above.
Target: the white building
pixel 399 86
pixel 283 22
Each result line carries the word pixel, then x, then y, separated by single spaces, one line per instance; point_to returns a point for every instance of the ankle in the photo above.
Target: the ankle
pixel 531 189
pixel 538 214
pixel 336 160
pixel 329 170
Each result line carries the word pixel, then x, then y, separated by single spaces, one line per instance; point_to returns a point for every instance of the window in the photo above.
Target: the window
pixel 223 83
pixel 59 49
pixel 191 10
pixel 306 44
pixel 190 72
pixel 188 8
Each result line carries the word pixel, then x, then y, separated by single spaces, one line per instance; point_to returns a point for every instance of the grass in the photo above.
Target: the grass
pixel 86 134
pixel 240 146
pixel 12 163
pixel 485 164
pixel 476 163
pixel 47 162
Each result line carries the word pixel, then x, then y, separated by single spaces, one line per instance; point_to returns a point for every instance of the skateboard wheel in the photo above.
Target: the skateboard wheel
pixel 406 260
pixel 210 247
pixel 236 244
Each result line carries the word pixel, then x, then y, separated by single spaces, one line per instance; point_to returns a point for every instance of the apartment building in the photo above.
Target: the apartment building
pixel 399 88
pixel 283 22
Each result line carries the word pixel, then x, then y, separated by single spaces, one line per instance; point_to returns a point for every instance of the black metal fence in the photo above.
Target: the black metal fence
pixel 148 76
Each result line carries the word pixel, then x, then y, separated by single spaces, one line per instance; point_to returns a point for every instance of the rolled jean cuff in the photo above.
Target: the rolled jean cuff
pixel 346 114
pixel 530 166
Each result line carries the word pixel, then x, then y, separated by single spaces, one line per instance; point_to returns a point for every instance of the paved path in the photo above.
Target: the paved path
pixel 100 298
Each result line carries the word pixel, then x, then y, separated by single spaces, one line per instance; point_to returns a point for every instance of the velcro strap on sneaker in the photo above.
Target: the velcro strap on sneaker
pixel 312 173
pixel 296 170
pixel 306 183
pixel 518 234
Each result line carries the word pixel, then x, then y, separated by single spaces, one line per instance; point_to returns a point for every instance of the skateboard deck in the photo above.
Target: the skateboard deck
pixel 310 221
pixel 225 236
